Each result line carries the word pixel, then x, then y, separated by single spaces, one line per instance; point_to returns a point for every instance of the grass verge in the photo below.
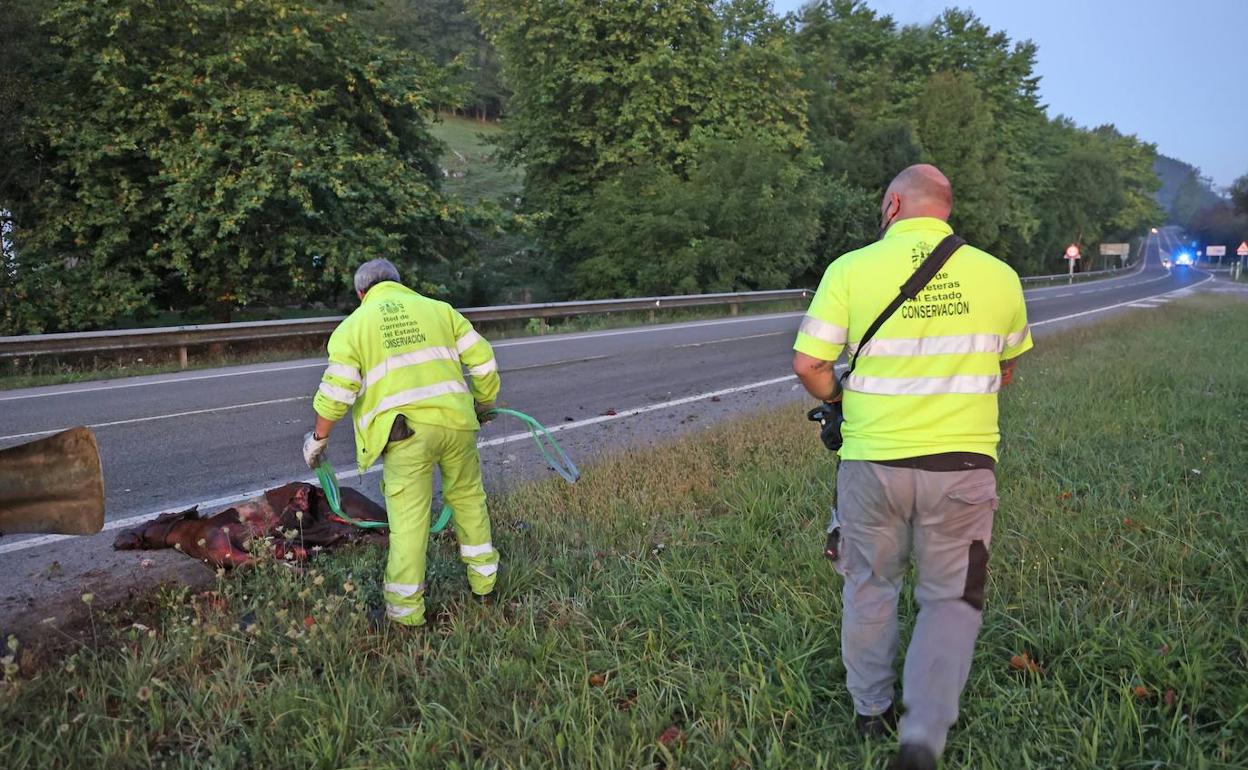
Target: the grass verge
pixel 673 609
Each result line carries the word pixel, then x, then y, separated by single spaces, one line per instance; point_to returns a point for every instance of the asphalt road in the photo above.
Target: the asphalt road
pixel 172 440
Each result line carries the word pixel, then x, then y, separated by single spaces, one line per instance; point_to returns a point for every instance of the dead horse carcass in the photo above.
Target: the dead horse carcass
pixel 295 517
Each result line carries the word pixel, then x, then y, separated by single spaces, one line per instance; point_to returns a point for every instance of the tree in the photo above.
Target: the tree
pixel 743 219
pixel 1239 194
pixel 603 87
pixel 225 150
pixel 957 133
pixel 447 34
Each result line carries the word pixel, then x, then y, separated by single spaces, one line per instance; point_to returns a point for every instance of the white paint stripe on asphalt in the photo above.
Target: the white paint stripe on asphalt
pixel 162 416
pixel 1128 303
pixel 1139 302
pixel 320 363
pixel 220 502
pixel 730 339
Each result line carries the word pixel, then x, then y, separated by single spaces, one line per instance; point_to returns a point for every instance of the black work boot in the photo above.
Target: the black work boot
pixel 912 756
pixel 877 725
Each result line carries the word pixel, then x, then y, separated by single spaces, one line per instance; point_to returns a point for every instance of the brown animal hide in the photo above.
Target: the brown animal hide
pixel 296 518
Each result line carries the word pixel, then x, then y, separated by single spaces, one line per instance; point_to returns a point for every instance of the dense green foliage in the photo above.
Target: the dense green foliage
pixel 219 154
pixel 446 33
pixel 631 96
pixel 673 610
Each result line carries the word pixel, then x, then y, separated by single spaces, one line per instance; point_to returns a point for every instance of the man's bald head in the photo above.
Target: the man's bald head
pixel 918 191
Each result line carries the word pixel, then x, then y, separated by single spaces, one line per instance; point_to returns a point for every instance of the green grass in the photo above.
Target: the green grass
pixel 681 589
pixel 470 161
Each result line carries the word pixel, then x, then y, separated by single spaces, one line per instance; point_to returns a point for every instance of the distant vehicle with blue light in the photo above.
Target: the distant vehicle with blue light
pixel 1184 259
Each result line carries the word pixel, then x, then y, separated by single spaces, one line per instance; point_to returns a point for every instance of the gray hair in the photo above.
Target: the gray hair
pixel 374 272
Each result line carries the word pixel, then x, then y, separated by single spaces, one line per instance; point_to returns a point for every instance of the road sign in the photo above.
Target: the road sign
pixel 1072 252
pixel 1215 251
pixel 1243 249
pixel 1115 249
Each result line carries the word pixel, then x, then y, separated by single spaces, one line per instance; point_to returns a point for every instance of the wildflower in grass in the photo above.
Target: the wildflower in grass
pixel 63 729
pixel 348 587
pixel 144 694
pixel 88 598
pixel 11 643
pixel 318 580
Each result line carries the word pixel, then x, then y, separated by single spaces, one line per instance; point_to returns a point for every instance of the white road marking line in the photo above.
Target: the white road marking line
pixel 321 363
pixel 730 339
pixel 222 502
pixel 270 402
pixel 563 362
pixel 1111 307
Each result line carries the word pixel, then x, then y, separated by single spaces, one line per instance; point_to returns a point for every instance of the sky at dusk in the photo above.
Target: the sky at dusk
pixel 1174 73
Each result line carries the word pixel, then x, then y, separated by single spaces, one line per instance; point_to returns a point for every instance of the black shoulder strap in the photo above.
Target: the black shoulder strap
pixel 909 290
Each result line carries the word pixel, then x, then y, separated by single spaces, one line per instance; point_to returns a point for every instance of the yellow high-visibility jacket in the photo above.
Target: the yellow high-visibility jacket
pixel 404 353
pixel 927 382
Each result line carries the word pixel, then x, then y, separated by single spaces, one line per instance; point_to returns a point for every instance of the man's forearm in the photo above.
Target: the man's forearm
pixel 817 376
pixel 323 426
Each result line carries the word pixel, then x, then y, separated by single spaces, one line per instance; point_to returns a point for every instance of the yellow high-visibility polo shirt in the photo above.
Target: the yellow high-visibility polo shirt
pixel 927 382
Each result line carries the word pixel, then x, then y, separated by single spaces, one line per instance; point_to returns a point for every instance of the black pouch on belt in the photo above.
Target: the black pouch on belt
pixel 399 430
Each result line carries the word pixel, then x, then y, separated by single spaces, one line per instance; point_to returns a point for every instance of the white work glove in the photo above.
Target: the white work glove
pixel 314 449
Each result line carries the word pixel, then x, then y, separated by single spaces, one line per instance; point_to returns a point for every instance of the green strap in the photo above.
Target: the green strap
pixel 554 455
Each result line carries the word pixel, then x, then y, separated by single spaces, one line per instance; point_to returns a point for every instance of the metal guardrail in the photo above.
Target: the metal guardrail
pixel 1081 276
pixel 182 337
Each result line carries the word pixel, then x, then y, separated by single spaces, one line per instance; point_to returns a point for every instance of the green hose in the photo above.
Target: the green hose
pixel 554 455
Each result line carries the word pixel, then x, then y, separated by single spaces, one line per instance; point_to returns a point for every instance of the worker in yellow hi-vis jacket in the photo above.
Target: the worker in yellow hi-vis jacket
pixel 397 364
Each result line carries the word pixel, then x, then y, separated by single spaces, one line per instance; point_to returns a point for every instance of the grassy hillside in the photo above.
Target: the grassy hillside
pixel 673 608
pixel 471 170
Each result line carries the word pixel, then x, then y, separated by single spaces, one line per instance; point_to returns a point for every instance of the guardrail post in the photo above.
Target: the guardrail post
pixel 182 356
pixel 733 308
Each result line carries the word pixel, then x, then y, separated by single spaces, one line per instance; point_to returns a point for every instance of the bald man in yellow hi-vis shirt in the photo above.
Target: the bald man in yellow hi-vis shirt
pixel 397 364
pixel 917 469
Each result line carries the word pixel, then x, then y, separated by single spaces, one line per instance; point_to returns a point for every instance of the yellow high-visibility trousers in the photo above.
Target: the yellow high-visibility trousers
pixel 407 483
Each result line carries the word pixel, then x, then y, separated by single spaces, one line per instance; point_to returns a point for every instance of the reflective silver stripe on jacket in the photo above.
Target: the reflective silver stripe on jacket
pixel 404 589
pixel 971 384
pixel 434 353
pixel 955 344
pixel 484 570
pixel 485 368
pixel 412 396
pixel 335 393
pixel 1017 337
pixel 398 612
pixel 343 371
pixel 823 331
pixel 468 340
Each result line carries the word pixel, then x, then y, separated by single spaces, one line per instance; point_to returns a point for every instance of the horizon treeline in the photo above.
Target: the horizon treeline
pixel 227 154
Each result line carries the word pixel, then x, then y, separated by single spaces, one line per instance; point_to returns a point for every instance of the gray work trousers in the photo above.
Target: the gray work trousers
pixel 946 519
